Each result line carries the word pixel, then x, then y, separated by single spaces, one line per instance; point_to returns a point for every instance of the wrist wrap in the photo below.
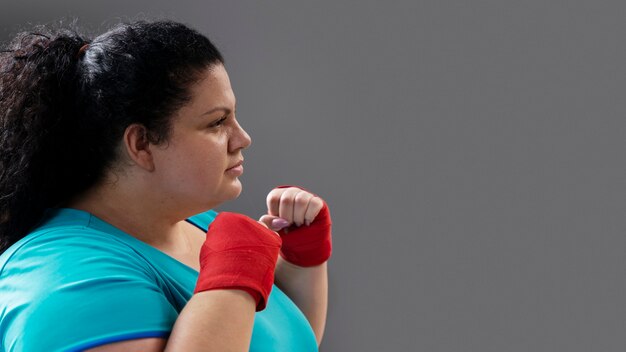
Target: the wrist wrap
pixel 239 253
pixel 308 245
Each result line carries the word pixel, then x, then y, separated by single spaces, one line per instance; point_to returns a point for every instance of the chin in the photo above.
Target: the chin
pixel 234 191
pixel 239 190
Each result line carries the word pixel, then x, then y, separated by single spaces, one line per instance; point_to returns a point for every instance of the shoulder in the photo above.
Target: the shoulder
pixel 85 283
pixel 62 261
pixel 68 237
pixel 70 249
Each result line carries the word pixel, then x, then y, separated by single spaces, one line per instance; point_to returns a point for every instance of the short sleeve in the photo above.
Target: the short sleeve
pixel 76 291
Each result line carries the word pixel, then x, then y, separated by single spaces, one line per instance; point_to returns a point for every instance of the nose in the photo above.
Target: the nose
pixel 240 139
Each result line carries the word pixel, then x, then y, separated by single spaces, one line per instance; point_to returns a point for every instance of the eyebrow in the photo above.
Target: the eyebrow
pixel 222 108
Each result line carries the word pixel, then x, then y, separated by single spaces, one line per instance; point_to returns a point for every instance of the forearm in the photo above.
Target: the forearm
pixel 214 320
pixel 308 288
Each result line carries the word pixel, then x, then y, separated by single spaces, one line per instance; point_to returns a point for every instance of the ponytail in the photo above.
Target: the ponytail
pixel 38 81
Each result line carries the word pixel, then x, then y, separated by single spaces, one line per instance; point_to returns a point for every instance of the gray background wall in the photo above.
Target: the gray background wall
pixel 471 153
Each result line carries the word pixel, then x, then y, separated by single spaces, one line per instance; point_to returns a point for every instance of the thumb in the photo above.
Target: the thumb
pixel 274 223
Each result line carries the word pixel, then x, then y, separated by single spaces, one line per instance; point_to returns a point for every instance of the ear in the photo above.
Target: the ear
pixel 137 146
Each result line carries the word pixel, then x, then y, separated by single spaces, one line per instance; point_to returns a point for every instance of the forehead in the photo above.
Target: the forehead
pixel 213 89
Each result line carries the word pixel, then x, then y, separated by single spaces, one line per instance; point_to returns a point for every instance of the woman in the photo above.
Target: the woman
pixel 113 152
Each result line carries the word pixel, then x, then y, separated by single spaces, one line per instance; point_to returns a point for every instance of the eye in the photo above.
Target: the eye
pixel 219 122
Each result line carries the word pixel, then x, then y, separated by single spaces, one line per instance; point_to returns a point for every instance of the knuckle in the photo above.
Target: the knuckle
pixel 287 200
pixel 302 199
pixel 318 202
pixel 273 197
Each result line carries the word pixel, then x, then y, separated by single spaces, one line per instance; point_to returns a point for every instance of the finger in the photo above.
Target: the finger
pixel 273 222
pixel 286 206
pixel 273 200
pixel 315 205
pixel 301 204
pixel 264 224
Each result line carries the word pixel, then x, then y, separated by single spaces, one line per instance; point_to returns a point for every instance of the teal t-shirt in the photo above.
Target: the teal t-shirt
pixel 77 282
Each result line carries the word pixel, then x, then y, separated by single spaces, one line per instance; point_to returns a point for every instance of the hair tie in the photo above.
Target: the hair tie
pixel 82 50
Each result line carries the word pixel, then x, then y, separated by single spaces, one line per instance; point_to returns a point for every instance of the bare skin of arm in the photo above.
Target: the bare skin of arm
pixel 215 320
pixel 308 288
pixel 222 320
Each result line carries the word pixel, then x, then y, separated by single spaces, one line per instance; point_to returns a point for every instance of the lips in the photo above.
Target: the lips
pixel 238 164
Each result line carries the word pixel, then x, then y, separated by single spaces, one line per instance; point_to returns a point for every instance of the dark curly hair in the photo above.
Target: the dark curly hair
pixel 65 105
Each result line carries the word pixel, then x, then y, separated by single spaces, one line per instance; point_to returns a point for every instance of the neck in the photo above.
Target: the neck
pixel 138 212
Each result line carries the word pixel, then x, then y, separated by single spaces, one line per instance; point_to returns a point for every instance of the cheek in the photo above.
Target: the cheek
pixel 192 177
pixel 206 161
pixel 195 163
pixel 209 154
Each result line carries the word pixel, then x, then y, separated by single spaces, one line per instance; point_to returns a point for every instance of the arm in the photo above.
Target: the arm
pixel 308 288
pixel 215 320
pixel 220 315
pixel 303 221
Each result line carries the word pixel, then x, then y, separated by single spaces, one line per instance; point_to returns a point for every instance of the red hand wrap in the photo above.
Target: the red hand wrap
pixel 239 253
pixel 308 245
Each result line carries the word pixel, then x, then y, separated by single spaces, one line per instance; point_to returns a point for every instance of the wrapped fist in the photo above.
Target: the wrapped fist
pixel 239 253
pixel 302 219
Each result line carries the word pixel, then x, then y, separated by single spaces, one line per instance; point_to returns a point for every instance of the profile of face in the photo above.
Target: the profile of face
pixel 206 140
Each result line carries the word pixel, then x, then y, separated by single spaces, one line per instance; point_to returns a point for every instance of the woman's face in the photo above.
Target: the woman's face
pixel 206 140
